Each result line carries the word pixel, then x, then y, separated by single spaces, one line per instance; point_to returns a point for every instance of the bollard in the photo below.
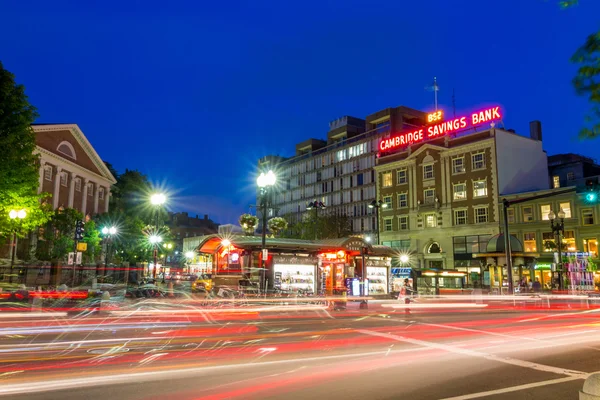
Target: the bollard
pixel 170 289
pixel 36 304
pixel 591 388
pixel 104 302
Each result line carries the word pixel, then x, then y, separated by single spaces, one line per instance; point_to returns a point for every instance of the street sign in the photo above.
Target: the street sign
pixel 82 246
pixel 71 258
pixel 265 254
pixel 78 258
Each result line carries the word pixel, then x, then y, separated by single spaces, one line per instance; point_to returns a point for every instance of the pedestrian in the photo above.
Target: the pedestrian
pixel 537 286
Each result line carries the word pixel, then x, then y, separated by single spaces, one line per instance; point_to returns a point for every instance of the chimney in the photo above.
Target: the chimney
pixel 535 130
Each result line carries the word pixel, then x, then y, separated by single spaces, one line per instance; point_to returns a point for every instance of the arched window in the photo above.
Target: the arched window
pixel 67 149
pixel 434 248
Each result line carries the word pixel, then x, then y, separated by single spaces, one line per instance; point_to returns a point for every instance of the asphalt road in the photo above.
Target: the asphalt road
pixel 507 352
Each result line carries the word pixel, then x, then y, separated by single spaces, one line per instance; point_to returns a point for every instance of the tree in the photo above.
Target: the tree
pixel 58 235
pixel 92 238
pixel 19 166
pixel 322 226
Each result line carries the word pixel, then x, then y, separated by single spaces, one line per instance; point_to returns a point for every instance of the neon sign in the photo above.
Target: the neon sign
pixel 435 116
pixel 440 128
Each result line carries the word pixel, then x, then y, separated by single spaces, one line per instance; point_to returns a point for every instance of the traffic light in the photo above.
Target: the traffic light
pixel 591 195
pixel 79 229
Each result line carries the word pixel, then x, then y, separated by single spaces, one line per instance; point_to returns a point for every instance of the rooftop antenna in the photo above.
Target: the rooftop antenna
pixel 453 103
pixel 435 89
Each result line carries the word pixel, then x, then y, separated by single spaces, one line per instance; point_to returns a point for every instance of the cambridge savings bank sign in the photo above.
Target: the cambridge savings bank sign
pixel 440 128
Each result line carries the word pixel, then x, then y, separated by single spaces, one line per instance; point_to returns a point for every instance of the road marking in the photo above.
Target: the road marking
pixel 473 353
pixel 481 331
pixel 517 388
pixel 559 315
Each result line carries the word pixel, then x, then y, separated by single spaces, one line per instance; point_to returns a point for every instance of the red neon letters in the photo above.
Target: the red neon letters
pixel 439 129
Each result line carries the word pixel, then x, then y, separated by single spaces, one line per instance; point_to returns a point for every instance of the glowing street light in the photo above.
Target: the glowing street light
pixel 264 182
pixel 404 258
pixel 189 254
pixel 14 214
pixel 158 199
pixel 155 239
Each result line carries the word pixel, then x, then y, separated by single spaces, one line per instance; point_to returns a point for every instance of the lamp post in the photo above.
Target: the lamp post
pixel 168 247
pixel 14 214
pixel 108 233
pixel 316 205
pixel 157 200
pixel 264 182
pixel 558 229
pixel 155 241
pixel 377 204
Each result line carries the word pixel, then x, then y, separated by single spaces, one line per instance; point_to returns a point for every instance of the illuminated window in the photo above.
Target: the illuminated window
pixel 460 217
pixel 569 241
pixel 566 207
pixel 402 200
pixel 570 176
pixel 431 220
pixel 429 196
pixel 403 222
pixel 428 171
pixel 460 191
pixel 591 246
pixel 63 179
pixel 548 241
pixel 587 216
pixel 555 181
pixel 458 165
pixel 386 179
pixel 387 224
pixel 48 173
pixel 481 215
pixel 402 176
pixel 527 214
pixel 478 161
pixel 511 215
pixel 530 242
pixel 78 184
pixel 387 200
pixel 480 188
pixel 545 210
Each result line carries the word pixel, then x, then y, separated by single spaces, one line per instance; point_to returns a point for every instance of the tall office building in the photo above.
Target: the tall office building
pixel 338 171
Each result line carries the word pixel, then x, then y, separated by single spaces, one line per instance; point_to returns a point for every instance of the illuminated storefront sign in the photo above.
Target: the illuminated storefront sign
pixel 440 128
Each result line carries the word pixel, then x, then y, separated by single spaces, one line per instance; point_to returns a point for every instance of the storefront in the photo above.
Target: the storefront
pixel 439 282
pixel 397 277
pixel 295 274
pixel 334 270
pixel 377 274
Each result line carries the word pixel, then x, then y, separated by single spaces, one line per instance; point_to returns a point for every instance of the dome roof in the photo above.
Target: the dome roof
pixel 496 244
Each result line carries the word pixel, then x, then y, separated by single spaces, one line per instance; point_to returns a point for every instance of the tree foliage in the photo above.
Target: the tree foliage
pixel 57 238
pixel 19 166
pixel 321 226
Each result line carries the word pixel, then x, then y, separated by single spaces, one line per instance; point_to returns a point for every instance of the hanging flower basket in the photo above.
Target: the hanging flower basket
pixel 277 225
pixel 248 223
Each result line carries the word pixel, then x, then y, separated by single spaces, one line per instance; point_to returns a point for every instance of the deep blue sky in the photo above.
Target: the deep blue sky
pixel 192 93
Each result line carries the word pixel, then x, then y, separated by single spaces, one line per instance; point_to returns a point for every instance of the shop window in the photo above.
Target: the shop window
pixel 527 214
pixel 387 225
pixel 470 244
pixel 431 220
pixel 481 215
pixel 403 222
pixel 591 246
pixel 403 245
pixel 78 184
pixel 63 179
pixel 569 241
pixel 429 196
pixel 556 182
pixel 428 171
pixel 460 246
pixel 511 215
pixel 402 177
pixel 529 242
pixel 387 201
pixel 566 207
pixel 402 200
pixel 460 191
pixel 544 211
pixel 480 188
pixel 458 165
pixel 587 216
pixel 478 161
pixel 386 179
pixel 48 173
pixel 460 217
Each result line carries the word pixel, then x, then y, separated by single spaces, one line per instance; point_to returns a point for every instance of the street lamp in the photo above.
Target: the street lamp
pixel 377 205
pixel 169 247
pixel 404 259
pixel 155 240
pixel 14 214
pixel 109 232
pixel 558 229
pixel 316 205
pixel 264 182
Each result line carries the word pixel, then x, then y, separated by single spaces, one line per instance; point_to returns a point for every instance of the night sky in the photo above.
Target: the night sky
pixel 192 93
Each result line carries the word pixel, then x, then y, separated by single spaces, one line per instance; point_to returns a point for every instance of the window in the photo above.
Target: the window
pixel 428 171
pixel 78 184
pixel 386 179
pixel 359 180
pixel 481 215
pixel 48 173
pixel 570 176
pixel 591 246
pixel 530 242
pixel 101 193
pixel 402 200
pixel 431 220
pixel 555 181
pixel 479 188
pixel 458 165
pixel 588 216
pixel 67 149
pixel 401 176
pixel 470 244
pixel 511 215
pixel 569 241
pixel 548 241
pixel 545 210
pixel 398 244
pixel 429 196
pixel 478 161
pixel 387 200
pixel 460 191
pixel 90 187
pixel 403 222
pixel 566 207
pixel 527 214
pixel 63 179
pixel 460 217
pixel 387 224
